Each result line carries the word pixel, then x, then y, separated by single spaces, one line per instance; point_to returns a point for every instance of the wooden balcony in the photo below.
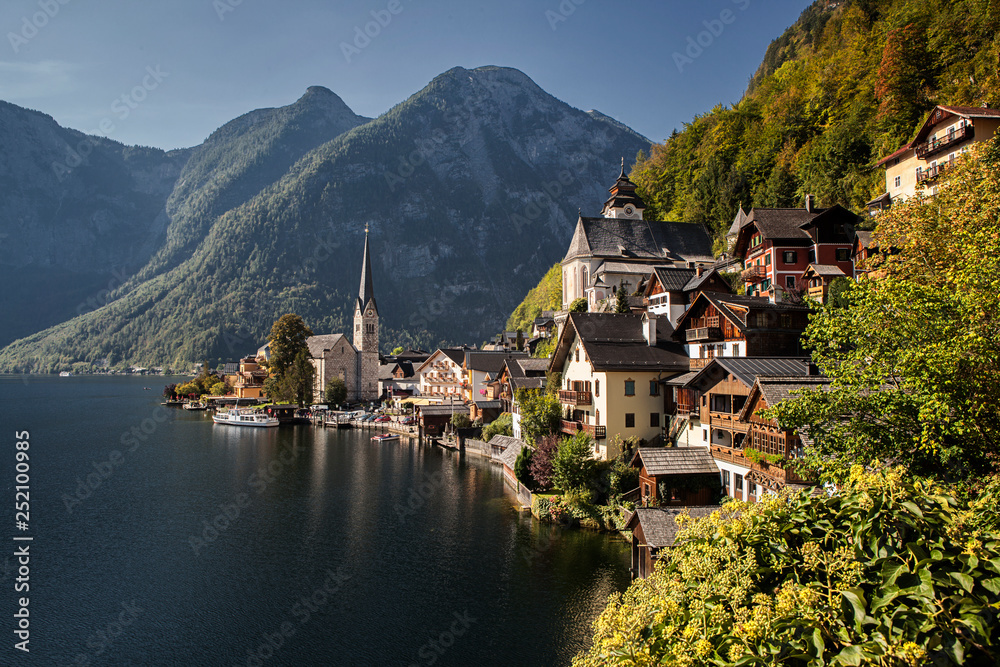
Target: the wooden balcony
pixel 754 274
pixel 775 472
pixel 942 144
pixel 576 398
pixel 572 428
pixel 703 334
pixel 931 173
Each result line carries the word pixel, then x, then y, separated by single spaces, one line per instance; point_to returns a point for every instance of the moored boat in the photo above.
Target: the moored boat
pixel 195 405
pixel 244 418
pixel 385 437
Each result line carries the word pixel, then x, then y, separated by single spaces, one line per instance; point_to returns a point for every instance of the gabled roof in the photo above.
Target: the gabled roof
pixel 673 279
pixel 528 382
pixel 650 240
pixel 529 365
pixel 824 270
pixel 615 343
pixel 899 153
pixel 774 390
pixel 747 369
pixel 317 344
pixel 671 461
pixel 455 354
pixel 511 448
pixel 695 283
pixel 659 524
pixel 789 225
pixel 489 361
pixel 941 112
pixel 864 238
pixel 741 217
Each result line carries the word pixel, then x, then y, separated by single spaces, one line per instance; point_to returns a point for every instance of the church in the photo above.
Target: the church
pixel 357 362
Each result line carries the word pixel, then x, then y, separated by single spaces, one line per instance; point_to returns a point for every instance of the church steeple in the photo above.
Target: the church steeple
pixel 624 202
pixel 367 291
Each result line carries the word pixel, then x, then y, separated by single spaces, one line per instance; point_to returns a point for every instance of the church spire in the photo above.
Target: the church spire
pixel 367 292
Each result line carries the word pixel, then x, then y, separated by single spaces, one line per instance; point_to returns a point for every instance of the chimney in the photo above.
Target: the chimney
pixel 809 203
pixel 775 294
pixel 700 270
pixel 649 328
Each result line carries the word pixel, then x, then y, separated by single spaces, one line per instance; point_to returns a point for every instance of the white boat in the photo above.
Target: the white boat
pixel 65 374
pixel 244 418
pixel 195 405
pixel 385 437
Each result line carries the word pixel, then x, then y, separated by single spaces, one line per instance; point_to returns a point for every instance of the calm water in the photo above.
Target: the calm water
pixel 326 549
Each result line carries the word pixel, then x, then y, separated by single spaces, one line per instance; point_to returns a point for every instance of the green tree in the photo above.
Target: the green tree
pixel 578 305
pixel 298 381
pixel 336 391
pixel 461 420
pixel 502 425
pixel 838 294
pixel 539 414
pixel 287 338
pixel 573 465
pixel 398 351
pixel 913 356
pixel 291 372
pixel 522 467
pixel 621 300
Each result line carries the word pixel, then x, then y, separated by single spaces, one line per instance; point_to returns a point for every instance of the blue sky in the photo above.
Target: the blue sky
pixel 185 67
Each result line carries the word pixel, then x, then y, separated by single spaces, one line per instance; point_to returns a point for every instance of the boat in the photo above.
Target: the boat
pixel 244 418
pixel 65 374
pixel 195 405
pixel 385 437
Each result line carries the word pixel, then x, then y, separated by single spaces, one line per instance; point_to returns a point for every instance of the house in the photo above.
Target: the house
pixel 436 418
pixel 817 278
pixel 732 325
pixel 759 466
pixel 520 374
pixel 611 368
pixel 543 326
pixel 357 362
pixel 621 247
pixel 862 253
pixel 676 476
pixel 654 529
pixel 442 377
pixel 481 366
pixel 511 450
pixel 398 379
pixel 719 391
pixel 778 244
pixel 670 290
pixel 249 380
pixel 947 132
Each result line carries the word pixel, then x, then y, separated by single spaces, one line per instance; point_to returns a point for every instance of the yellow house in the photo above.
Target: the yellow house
pixel 947 133
pixel 612 367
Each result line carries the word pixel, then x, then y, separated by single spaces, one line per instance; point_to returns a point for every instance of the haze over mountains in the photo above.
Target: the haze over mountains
pixel 470 187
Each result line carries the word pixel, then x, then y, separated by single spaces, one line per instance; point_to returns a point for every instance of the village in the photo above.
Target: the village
pixel 642 397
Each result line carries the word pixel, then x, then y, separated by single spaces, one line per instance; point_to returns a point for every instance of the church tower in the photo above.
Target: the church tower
pixel 366 331
pixel 625 202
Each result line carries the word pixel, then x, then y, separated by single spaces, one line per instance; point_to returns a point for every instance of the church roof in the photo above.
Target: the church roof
pixel 317 344
pixel 367 292
pixel 649 240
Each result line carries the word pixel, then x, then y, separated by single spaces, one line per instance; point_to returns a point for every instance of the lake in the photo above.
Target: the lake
pixel 163 539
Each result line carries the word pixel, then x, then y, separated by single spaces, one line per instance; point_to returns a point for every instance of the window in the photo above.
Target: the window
pixel 578 354
pixel 767 259
pixel 654 420
pixel 897 181
pixel 725 481
pixel 843 255
pixel 654 388
pixel 630 387
pixel 738 484
pixel 765 284
pixel 812 255
pixel 786 320
pixel 790 282
pixel 597 387
pixel 629 420
pixel 790 257
pixel 721 403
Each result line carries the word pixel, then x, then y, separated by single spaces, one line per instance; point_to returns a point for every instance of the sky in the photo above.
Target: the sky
pixel 169 73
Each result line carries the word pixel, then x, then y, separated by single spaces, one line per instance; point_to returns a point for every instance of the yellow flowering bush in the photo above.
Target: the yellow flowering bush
pixel 885 570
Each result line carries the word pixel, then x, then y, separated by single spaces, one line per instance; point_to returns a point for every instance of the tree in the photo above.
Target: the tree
pixel 539 414
pixel 621 300
pixel 218 389
pixel 461 420
pixel 519 342
pixel 336 391
pixel 578 305
pixel 397 351
pixel 541 461
pixel 913 356
pixel 291 371
pixel 502 425
pixel 837 296
pixel 522 467
pixel 573 465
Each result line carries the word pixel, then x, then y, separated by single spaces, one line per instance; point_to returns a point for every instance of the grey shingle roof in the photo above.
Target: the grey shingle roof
pixel 528 383
pixel 781 223
pixel 747 369
pixel 489 362
pixel 317 344
pixel 865 238
pixel 778 389
pixel 674 280
pixel 511 448
pixel 659 524
pixel 672 461
pixel 826 270
pixel 530 365
pixel 616 342
pixel 640 239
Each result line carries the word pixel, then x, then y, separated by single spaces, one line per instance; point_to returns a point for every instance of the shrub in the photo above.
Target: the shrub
pixel 461 420
pixel 522 467
pixel 502 425
pixel 578 305
pixel 572 466
pixel 886 570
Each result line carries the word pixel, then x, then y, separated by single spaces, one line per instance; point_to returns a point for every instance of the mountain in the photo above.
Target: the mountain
pixel 847 84
pixel 470 187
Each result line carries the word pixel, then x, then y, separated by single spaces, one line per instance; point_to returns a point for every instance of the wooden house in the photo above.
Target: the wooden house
pixel 670 290
pixel 681 476
pixel 817 279
pixel 655 529
pixel 719 325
